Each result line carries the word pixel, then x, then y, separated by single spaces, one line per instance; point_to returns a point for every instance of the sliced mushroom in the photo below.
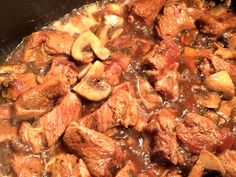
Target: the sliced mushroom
pixel 208 99
pixel 92 87
pixel 207 160
pixel 220 82
pixel 88 39
pixel 94 90
pixel 84 70
pixel 95 71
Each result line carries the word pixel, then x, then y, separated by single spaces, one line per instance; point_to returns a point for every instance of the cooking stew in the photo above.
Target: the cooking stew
pixel 123 88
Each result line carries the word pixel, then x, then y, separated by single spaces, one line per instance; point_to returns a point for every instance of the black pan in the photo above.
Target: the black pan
pixel 19 18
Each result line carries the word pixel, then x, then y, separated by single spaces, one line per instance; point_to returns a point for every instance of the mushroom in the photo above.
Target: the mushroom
pixel 207 160
pixel 84 40
pixel 84 70
pixel 92 87
pixel 220 82
pixel 205 98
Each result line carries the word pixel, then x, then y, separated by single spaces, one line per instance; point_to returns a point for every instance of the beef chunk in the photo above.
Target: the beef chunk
pixel 6 111
pixel 27 166
pixel 61 69
pixel 15 86
pixel 52 125
pixel 168 85
pixel 42 45
pixel 112 73
pixel 163 127
pixel 228 159
pixel 174 20
pixel 120 109
pixel 158 170
pixel 220 64
pixel 64 165
pixel 38 100
pixel 199 132
pixel 147 10
pixel 10 71
pixel 129 170
pixel 215 25
pixel 8 132
pixel 100 153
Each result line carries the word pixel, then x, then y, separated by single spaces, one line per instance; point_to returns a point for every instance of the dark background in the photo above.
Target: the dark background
pixel 19 18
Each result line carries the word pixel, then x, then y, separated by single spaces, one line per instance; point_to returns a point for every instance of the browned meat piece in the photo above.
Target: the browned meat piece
pixel 52 125
pixel 163 127
pixel 222 65
pixel 14 87
pixel 39 100
pixel 215 25
pixel 7 131
pixel 63 70
pixel 8 71
pixel 27 166
pixel 162 58
pixel 129 170
pixel 228 159
pixel 168 85
pixel 41 45
pixel 112 73
pixel 199 132
pixel 159 171
pixel 100 153
pixel 174 20
pixel 120 109
pixel 6 111
pixel 147 10
pixel 65 165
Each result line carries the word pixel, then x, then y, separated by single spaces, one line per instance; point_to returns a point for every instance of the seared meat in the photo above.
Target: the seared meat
pixel 199 132
pixel 174 20
pixel 42 45
pixel 27 166
pixel 163 127
pixel 168 85
pixel 146 10
pixel 8 132
pixel 222 65
pixel 112 73
pixel 120 109
pixel 61 69
pixel 6 111
pixel 39 100
pixel 129 170
pixel 52 125
pixel 100 153
pixel 65 165
pixel 11 71
pixel 228 159
pixel 215 25
pixel 159 171
pixel 15 86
